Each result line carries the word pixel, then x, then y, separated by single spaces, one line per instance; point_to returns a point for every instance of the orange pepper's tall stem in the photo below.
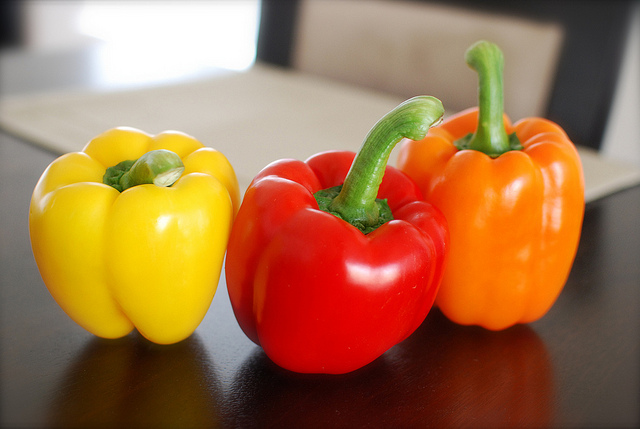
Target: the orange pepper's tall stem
pixel 490 136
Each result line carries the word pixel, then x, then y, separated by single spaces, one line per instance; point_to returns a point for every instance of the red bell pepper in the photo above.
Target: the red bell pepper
pixel 318 275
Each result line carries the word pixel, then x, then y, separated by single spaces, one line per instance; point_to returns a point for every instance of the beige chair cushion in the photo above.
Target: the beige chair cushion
pixel 412 48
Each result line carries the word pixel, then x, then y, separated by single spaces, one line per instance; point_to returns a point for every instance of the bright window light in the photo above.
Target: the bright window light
pixel 155 40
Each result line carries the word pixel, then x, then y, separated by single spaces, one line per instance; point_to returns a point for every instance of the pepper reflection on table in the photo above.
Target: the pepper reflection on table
pixel 120 383
pixel 466 375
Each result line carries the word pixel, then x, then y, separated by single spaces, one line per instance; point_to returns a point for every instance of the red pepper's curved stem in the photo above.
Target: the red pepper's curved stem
pixel 490 136
pixel 356 202
pixel 160 167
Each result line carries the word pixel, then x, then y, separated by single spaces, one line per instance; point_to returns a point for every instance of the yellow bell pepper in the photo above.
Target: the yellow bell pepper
pixel 148 257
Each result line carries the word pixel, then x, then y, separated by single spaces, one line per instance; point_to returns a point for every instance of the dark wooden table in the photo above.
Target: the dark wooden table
pixel 579 366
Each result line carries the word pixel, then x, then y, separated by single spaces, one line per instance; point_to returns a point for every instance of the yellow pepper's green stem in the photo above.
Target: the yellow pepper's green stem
pixel 356 201
pixel 490 136
pixel 160 167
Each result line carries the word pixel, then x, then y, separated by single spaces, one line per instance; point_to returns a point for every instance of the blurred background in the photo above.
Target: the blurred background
pixel 575 62
pixel 137 37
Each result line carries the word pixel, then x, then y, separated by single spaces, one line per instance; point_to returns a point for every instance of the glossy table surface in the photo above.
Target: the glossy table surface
pixel 579 366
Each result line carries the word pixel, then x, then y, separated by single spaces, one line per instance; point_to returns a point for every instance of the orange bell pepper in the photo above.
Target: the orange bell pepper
pixel 513 196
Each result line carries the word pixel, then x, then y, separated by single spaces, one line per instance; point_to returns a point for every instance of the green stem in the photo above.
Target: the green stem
pixel 356 201
pixel 160 167
pixel 490 136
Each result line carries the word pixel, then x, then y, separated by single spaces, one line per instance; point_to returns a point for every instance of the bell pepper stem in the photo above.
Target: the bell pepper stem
pixel 356 201
pixel 490 136
pixel 160 167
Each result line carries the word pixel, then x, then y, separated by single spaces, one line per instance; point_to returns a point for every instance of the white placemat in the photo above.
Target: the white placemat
pixel 253 117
